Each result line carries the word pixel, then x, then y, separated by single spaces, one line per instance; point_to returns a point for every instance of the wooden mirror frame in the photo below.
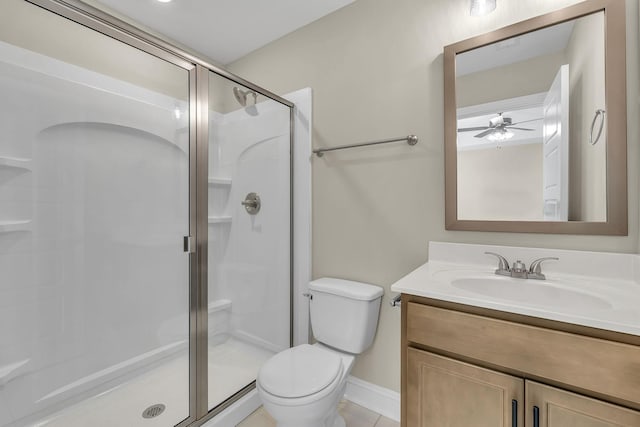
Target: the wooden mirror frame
pixel 616 106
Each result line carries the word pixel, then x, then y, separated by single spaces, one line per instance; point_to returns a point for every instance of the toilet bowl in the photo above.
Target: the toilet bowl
pixel 302 386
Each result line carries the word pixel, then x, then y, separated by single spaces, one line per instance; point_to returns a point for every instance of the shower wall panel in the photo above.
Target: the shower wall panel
pixel 250 258
pixel 95 291
pixel 94 179
pixel 249 252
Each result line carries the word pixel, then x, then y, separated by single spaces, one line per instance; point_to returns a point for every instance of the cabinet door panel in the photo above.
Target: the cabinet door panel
pixel 443 392
pixel 559 408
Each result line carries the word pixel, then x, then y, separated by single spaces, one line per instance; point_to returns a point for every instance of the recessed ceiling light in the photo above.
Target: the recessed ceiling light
pixel 164 1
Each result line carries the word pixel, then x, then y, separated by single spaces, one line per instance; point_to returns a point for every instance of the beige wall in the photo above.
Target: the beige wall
pixel 506 82
pixel 483 191
pixel 376 71
pixel 588 167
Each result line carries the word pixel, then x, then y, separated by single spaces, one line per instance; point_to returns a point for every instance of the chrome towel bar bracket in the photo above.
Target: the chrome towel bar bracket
pixel 396 301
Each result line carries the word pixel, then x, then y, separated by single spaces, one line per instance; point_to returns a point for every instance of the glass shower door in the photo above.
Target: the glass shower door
pixel 249 204
pixel 94 204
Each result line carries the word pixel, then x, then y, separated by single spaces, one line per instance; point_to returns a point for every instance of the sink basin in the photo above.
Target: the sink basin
pixel 531 292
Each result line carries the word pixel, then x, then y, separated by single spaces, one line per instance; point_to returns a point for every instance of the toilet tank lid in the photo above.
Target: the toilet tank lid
pixel 347 288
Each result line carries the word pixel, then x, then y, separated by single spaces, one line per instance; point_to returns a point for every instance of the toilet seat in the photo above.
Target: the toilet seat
pixel 300 371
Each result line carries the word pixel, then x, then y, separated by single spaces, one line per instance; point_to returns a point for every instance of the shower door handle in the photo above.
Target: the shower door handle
pixel 187 245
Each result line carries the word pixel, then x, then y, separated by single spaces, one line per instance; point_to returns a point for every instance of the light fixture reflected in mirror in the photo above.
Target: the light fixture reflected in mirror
pixel 482 7
pixel 501 135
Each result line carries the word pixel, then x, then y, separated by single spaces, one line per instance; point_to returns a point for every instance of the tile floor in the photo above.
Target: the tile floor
pixel 354 415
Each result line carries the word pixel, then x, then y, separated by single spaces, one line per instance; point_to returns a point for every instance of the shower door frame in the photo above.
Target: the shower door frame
pixel 198 69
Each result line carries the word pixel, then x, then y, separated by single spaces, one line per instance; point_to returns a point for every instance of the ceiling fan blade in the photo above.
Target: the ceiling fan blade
pixel 511 127
pixel 526 121
pixel 473 129
pixel 485 133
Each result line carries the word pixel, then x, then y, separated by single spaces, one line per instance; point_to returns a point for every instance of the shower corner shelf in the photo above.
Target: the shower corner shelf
pixel 8 226
pixel 15 162
pixel 219 219
pixel 216 180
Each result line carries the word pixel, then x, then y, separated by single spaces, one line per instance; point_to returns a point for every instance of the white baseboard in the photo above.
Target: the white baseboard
pixel 373 397
pixel 237 412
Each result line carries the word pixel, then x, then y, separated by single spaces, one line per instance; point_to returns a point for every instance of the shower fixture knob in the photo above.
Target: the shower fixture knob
pixel 252 203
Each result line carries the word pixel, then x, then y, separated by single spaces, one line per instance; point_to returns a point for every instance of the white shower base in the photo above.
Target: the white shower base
pixel 233 364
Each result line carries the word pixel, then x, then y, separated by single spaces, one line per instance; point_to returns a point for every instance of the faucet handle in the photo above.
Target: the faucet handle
pixel 535 269
pixel 503 264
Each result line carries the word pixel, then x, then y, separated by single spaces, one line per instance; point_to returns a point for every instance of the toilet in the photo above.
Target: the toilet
pixel 302 386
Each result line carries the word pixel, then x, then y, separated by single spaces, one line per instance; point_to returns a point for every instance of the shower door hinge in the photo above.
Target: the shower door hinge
pixel 188 245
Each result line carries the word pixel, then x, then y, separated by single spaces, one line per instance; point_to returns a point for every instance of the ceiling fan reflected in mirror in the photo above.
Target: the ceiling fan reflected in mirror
pixel 499 129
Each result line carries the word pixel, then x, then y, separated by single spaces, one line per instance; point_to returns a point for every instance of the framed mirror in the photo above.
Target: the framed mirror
pixel 535 125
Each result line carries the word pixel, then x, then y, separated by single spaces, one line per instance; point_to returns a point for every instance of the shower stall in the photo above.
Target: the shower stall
pixel 145 225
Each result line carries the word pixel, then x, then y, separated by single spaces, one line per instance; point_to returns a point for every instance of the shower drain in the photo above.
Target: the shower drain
pixel 153 411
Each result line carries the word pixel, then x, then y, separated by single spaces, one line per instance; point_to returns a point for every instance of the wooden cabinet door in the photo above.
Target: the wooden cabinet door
pixel 560 408
pixel 443 392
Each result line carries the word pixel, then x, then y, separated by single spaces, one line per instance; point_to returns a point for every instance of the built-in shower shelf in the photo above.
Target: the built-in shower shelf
pixel 219 219
pixel 7 226
pixel 15 162
pixel 216 180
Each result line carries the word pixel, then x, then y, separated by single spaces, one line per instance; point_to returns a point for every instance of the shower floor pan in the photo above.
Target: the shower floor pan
pixel 232 365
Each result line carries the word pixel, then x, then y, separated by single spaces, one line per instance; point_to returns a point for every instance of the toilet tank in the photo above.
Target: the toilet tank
pixel 344 314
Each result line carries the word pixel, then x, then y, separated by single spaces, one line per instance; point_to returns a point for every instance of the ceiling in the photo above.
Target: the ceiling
pixel 225 30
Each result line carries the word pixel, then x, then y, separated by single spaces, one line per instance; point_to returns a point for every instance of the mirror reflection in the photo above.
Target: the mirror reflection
pixel 531 120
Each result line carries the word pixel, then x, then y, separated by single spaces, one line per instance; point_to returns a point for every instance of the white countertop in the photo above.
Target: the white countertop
pixel 598 301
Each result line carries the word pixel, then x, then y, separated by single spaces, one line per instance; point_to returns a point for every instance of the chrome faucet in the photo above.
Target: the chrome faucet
pixel 503 265
pixel 535 270
pixel 519 269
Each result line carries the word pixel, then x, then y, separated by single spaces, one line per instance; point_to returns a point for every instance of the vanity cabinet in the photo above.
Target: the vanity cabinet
pixel 560 408
pixel 468 367
pixel 445 392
